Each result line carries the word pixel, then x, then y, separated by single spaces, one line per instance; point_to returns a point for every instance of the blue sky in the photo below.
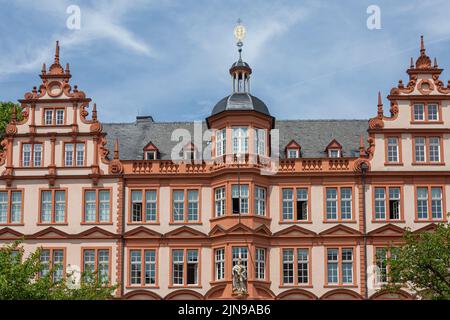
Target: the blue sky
pixel 170 59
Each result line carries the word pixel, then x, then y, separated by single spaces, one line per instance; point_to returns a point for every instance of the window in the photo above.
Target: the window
pixel 260 201
pixel 425 203
pixel 186 205
pixel 52 260
pixel 381 263
pixel 240 140
pixel 292 153
pixel 142 267
pixel 220 201
pixel 138 199
pixel 419 112
pixel 48 117
pixel 260 263
pixel 433 114
pixel 219 263
pixel 387 203
pixel 53 206
pixel 32 155
pixel 427 149
pixel 151 155
pixel 295 266
pixel 295 200
pixel 97 206
pixel 185 267
pixel 239 253
pixel 240 203
pixel 393 150
pixel 340 263
pixel 419 147
pixel 339 203
pixel 74 154
pixel 434 152
pixel 221 142
pixel 96 263
pixel 54 117
pixel 426 112
pixel 334 153
pixel 260 142
pixel 10 207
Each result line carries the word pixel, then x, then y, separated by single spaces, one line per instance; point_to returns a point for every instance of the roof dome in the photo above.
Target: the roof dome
pixel 240 101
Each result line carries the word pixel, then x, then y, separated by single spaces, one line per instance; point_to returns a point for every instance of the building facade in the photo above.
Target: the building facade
pixel 165 210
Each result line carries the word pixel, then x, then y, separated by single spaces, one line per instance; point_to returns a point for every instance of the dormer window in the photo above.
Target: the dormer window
pixel 151 152
pixel 292 153
pixel 151 155
pixel 53 116
pixel 334 149
pixel 334 153
pixel 293 150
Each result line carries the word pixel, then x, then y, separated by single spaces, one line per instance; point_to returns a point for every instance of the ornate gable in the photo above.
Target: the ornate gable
pixel 334 144
pixel 96 233
pixel 10 234
pixel 388 230
pixel 50 233
pixel 340 231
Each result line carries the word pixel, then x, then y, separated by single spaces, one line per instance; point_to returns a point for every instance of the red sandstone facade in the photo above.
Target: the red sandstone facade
pixel 165 229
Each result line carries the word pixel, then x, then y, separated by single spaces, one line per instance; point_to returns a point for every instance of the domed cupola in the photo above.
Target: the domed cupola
pixel 240 71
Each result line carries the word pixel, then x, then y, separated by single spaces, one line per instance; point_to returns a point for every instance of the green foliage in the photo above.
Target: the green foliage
pixel 20 280
pixel 6 110
pixel 422 264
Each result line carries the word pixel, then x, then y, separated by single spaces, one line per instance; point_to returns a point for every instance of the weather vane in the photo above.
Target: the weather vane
pixel 239 34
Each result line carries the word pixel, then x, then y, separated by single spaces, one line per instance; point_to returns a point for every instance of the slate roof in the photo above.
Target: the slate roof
pixel 312 135
pixel 240 101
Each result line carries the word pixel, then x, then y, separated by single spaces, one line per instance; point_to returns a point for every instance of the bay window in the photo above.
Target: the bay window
pixel 260 201
pixel 260 263
pixel 220 201
pixel 240 140
pixel 219 263
pixel 221 142
pixel 240 199
pixel 260 141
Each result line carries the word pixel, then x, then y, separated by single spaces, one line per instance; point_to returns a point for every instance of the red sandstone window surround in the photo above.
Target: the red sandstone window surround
pixel 340 268
pixel 74 154
pixel 53 260
pixel 387 203
pixel 185 206
pixel 97 205
pixel 430 203
pixel 97 260
pixel 31 154
pixel 380 258
pixel 143 206
pixel 428 149
pixel 52 206
pixel 142 267
pixel 426 113
pixel 54 116
pixel 295 204
pixel 185 267
pixel 393 150
pixel 339 204
pixel 11 207
pixel 295 267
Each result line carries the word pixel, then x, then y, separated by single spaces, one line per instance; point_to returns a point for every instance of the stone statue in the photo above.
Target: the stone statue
pixel 239 273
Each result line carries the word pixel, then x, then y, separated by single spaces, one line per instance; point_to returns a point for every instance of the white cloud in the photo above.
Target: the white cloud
pixel 98 22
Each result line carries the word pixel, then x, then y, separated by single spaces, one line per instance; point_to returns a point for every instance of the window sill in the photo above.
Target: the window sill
pixel 429 220
pixel 242 215
pixel 340 286
pixel 12 224
pixel 96 223
pixel 396 164
pixel 52 224
pixel 339 221
pixel 142 287
pixel 388 221
pixel 156 223
pixel 185 223
pixel 428 164
pixel 291 286
pixel 426 122
pixel 296 222
pixel 172 286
